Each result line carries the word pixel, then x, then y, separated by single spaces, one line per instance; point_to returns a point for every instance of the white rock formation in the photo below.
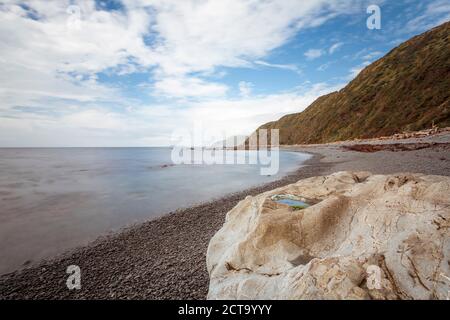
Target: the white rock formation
pixel 367 237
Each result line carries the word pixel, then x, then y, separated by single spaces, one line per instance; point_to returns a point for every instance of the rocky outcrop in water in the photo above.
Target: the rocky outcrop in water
pixel 364 237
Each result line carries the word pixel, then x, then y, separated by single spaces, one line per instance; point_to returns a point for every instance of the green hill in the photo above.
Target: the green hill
pixel 408 89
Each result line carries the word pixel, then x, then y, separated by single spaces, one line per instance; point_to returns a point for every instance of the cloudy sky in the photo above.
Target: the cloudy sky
pixel 130 72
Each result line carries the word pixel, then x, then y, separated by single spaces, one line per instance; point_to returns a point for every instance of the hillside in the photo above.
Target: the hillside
pixel 408 89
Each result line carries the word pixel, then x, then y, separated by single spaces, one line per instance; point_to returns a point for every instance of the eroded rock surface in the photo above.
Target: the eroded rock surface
pixel 366 237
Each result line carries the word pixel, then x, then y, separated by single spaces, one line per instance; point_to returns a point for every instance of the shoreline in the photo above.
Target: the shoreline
pixel 164 258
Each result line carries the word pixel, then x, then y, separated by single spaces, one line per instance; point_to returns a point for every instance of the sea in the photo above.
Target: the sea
pixel 55 199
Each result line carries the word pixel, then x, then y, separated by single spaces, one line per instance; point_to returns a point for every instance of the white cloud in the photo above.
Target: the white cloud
pixel 436 13
pixel 334 47
pixel 291 67
pixel 187 36
pixel 153 125
pixel 50 63
pixel 199 36
pixel 242 116
pixel 313 53
pixel 323 67
pixel 245 88
pixel 94 119
pixel 103 39
pixel 180 87
pixel 372 55
pixel 45 58
pixel 354 72
pixel 213 30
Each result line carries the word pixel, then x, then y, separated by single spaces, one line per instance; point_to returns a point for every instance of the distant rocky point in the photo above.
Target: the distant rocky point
pixel 230 142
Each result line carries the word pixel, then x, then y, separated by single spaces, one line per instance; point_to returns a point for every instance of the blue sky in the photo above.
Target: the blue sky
pixel 132 72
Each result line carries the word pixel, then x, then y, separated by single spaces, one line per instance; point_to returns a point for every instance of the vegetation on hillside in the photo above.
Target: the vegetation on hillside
pixel 408 89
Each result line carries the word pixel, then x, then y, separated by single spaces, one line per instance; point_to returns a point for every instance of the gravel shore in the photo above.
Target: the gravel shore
pixel 165 258
pixel 159 259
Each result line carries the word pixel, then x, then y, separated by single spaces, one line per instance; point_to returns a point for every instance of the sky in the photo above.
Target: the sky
pixel 131 73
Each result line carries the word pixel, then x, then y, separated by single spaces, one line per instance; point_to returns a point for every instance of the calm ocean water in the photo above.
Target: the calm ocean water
pixel 55 199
